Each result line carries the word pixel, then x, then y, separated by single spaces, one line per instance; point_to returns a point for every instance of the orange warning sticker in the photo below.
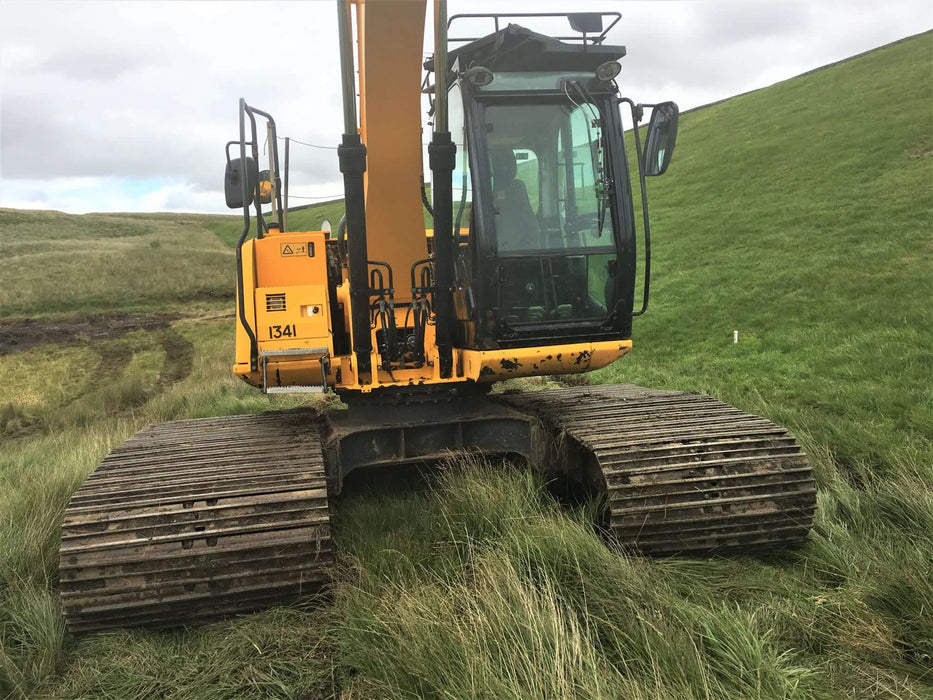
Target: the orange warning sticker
pixel 292 249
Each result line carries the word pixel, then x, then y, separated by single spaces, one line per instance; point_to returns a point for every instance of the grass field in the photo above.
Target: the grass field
pixel 799 215
pixel 228 229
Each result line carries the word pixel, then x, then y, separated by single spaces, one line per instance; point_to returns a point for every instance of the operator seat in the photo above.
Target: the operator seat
pixel 517 226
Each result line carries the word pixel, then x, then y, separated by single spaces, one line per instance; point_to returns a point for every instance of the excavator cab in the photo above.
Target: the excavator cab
pixel 542 187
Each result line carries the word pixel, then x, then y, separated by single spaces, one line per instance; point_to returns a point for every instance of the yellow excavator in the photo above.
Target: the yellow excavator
pixel 529 269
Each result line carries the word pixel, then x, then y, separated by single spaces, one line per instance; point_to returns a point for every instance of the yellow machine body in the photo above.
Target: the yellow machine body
pixel 288 308
pixel 285 278
pixel 390 54
pixel 282 291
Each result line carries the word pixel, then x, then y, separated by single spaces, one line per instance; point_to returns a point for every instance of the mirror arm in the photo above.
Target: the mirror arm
pixel 637 113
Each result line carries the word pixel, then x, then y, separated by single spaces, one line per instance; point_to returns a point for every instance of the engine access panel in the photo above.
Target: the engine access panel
pixel 291 291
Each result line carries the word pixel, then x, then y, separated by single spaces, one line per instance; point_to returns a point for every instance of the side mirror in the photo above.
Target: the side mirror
pixel 662 135
pixel 233 184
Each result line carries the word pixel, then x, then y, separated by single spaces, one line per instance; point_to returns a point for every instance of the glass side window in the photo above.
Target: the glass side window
pixel 462 186
pixel 581 188
pixel 572 287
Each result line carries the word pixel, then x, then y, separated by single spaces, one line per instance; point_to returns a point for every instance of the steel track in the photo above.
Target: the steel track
pixel 192 520
pixel 681 473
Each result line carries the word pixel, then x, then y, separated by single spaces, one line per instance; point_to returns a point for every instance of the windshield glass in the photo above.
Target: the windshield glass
pixel 547 176
pixel 553 232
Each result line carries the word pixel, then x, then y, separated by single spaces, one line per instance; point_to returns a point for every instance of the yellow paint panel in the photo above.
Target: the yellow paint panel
pixel 304 313
pixel 291 259
pixel 487 366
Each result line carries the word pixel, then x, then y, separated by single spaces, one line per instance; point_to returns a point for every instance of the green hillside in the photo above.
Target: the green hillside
pixel 799 215
pixel 58 263
pixel 228 229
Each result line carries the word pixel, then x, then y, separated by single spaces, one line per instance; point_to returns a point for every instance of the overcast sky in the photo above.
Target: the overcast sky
pixel 126 106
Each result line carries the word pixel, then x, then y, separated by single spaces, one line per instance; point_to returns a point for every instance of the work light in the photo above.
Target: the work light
pixel 608 70
pixel 480 76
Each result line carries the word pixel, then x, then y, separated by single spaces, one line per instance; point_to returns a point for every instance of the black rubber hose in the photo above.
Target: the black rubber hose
pixel 342 238
pixel 424 198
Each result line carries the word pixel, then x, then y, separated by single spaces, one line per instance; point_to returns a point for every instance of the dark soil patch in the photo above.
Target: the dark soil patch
pixel 104 393
pixel 16 336
pixel 114 358
pixel 179 357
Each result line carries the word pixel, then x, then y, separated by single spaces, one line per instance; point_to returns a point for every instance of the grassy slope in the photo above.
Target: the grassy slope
pixel 56 263
pixel 229 228
pixel 788 214
pixel 801 217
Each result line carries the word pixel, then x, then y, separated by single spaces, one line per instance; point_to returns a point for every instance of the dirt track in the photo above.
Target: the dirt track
pixel 104 335
pixel 16 336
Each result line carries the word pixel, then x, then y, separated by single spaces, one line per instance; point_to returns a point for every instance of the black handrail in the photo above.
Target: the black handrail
pixel 637 111
pixel 275 159
pixel 241 306
pixel 246 111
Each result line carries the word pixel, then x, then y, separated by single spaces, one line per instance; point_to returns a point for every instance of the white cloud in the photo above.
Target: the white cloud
pixel 144 94
pixel 81 195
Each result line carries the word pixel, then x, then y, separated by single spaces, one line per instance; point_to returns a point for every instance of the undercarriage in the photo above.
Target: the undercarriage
pixel 192 521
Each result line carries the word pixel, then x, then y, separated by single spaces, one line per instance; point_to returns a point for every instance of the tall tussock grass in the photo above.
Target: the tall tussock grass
pixel 49 449
pixel 485 587
pixel 37 478
pixel 521 599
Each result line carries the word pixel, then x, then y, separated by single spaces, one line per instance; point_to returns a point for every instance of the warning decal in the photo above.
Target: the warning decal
pixel 293 249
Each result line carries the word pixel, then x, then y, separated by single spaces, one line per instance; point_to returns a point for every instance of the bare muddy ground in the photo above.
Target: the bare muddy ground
pixel 104 391
pixel 179 357
pixel 19 335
